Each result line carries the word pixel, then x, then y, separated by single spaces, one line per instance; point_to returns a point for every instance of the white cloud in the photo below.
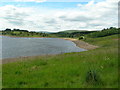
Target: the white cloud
pixel 79 5
pixel 89 16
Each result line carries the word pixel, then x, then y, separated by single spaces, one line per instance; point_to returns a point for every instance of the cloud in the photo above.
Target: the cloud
pixel 50 21
pixel 76 16
pixel 90 16
pixel 13 17
pixel 79 5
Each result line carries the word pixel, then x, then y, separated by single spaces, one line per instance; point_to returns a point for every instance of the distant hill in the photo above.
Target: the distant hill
pixel 72 31
pixel 45 32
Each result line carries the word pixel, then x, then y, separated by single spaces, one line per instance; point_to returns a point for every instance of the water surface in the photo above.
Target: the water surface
pixel 18 47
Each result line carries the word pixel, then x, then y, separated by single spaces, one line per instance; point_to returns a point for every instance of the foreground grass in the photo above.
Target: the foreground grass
pixel 70 70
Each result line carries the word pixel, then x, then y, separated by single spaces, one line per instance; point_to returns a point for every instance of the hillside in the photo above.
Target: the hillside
pixel 23 33
pixel 71 31
pixel 96 68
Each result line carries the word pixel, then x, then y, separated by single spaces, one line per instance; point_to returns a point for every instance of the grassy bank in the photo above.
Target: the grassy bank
pixel 96 68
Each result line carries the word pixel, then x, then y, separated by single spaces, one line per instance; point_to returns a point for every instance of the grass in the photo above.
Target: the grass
pixel 96 68
pixel 72 31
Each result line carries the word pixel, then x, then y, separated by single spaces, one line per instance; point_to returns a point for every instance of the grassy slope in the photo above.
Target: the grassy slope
pixel 72 31
pixel 67 70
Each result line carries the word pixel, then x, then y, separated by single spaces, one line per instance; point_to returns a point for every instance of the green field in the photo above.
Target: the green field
pixel 72 31
pixel 96 68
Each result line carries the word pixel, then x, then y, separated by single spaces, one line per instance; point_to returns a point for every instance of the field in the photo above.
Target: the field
pixel 97 68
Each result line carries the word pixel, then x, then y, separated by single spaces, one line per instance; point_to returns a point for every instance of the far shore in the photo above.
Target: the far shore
pixel 24 37
pixel 78 43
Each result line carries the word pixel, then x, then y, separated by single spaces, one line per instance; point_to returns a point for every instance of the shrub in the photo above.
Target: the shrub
pixel 104 32
pixel 81 37
pixel 93 78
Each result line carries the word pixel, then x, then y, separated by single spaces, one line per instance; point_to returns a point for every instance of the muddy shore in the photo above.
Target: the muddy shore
pixel 82 44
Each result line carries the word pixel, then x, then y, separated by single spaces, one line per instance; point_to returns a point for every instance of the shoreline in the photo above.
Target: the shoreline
pixel 23 58
pixel 79 43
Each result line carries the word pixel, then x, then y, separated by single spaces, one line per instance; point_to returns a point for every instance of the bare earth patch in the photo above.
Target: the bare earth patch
pixel 82 44
pixel 117 39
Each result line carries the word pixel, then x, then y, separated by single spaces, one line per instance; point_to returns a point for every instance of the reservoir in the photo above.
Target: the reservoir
pixel 19 47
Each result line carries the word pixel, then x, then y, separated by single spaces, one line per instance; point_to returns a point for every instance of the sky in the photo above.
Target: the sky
pixel 58 15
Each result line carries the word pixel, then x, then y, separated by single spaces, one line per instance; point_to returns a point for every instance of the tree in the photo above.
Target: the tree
pixel 8 29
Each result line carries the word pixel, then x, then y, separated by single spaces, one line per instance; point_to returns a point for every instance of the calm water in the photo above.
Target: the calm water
pixel 16 47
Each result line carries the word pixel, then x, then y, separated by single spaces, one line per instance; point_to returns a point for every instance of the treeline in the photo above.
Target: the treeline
pixel 23 33
pixel 105 32
pixel 75 34
pixel 91 34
